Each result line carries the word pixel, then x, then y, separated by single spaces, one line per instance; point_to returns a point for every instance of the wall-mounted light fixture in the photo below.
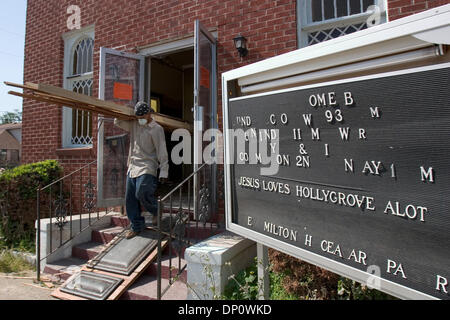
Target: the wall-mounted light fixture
pixel 240 42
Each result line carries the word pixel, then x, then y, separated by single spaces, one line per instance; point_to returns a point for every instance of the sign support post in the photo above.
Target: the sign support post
pixel 263 271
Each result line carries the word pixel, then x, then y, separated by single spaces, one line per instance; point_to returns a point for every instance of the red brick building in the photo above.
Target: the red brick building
pixel 63 41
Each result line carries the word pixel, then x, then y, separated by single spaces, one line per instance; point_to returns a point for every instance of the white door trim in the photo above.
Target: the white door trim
pixel 171 47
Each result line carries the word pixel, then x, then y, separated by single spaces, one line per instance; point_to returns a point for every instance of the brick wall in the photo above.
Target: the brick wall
pixel 401 8
pixel 270 27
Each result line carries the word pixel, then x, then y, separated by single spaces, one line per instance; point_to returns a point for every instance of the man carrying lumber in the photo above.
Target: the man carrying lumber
pixel 147 153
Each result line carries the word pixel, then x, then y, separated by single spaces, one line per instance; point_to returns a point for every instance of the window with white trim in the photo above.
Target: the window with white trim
pixel 78 77
pixel 322 20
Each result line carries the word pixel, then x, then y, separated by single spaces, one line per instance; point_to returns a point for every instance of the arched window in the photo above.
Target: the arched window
pixel 82 57
pixel 80 79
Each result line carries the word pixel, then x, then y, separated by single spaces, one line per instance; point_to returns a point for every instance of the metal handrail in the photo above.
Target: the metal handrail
pixel 63 209
pixel 179 239
pixel 176 235
pixel 182 183
pixel 67 176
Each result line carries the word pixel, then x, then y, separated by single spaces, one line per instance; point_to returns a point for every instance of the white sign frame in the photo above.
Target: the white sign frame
pixel 405 32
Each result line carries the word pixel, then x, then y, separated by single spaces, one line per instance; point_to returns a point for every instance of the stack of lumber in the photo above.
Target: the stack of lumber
pixel 66 98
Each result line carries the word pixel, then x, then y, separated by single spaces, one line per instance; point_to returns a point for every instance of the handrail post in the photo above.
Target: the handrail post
pixel 167 199
pixel 159 249
pixel 60 206
pixel 38 240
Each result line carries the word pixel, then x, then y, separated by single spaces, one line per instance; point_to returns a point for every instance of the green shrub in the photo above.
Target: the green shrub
pixel 18 188
pixel 310 282
pixel 10 263
pixel 277 290
pixel 25 179
pixel 305 282
pixel 244 285
pixel 302 279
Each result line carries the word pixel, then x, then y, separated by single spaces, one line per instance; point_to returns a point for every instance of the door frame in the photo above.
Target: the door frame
pixel 198 112
pixel 187 43
pixel 101 201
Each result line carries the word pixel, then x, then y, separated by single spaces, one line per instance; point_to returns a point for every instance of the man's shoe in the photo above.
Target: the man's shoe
pixel 131 234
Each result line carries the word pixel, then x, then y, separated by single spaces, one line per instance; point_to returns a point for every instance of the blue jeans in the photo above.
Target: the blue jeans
pixel 141 189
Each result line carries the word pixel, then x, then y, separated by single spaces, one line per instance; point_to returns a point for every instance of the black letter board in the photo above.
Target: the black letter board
pixel 364 174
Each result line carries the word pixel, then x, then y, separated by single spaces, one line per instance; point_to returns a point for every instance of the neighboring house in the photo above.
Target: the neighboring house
pixel 10 144
pixel 130 50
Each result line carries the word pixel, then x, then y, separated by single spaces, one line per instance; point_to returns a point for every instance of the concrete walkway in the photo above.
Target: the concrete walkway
pixel 22 289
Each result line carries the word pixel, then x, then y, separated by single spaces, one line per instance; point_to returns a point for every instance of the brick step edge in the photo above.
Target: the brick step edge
pixel 83 253
pixel 152 270
pixel 62 275
pixel 103 237
pixel 145 289
pixel 193 230
pixel 122 221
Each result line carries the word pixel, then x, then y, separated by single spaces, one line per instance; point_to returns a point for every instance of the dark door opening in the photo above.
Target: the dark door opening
pixel 172 87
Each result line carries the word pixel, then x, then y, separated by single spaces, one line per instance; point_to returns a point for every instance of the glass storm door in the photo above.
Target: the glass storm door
pixel 205 117
pixel 121 81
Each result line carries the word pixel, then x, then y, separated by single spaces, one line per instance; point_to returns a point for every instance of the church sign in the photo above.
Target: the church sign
pixel 351 175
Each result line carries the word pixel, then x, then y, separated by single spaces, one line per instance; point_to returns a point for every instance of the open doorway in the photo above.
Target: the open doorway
pixel 172 93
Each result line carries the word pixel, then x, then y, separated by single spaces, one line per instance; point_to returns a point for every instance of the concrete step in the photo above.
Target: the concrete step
pixel 105 235
pixel 195 230
pixel 63 269
pixel 88 250
pixel 145 288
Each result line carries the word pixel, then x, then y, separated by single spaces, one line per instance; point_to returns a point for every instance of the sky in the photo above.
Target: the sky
pixel 12 42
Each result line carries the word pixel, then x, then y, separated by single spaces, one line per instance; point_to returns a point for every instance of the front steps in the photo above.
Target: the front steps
pixel 145 287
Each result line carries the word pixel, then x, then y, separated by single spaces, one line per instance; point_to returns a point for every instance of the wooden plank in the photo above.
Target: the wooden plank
pixel 66 103
pixel 16 85
pixel 73 96
pixel 41 99
pixel 82 105
pixel 49 89
pixel 171 123
pixel 65 97
pixel 69 100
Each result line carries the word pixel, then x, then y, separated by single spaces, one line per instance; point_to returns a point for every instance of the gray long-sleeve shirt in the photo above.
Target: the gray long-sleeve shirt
pixel 148 150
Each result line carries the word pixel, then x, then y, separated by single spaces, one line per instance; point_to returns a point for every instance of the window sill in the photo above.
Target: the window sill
pixel 81 152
